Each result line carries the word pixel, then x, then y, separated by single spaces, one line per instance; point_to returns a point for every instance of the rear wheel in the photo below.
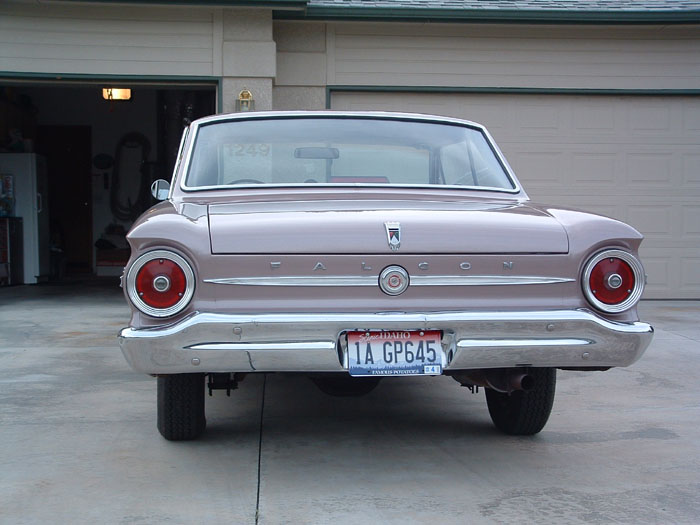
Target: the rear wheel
pixel 346 386
pixel 181 406
pixel 524 413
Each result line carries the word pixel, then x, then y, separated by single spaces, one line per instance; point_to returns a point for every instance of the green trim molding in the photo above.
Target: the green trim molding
pixel 92 77
pixel 507 90
pixel 7 77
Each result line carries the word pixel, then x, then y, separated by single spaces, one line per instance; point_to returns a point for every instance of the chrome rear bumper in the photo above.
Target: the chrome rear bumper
pixel 206 342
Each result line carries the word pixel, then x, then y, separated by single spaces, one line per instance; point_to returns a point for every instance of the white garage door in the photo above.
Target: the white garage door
pixel 630 157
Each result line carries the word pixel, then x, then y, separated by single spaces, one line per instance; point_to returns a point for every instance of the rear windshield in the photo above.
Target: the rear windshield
pixel 343 151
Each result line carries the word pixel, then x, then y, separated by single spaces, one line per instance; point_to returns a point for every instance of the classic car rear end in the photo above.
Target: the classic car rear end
pixel 356 246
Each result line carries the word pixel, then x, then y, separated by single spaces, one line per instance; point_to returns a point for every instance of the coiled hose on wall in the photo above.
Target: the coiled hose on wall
pixel 121 205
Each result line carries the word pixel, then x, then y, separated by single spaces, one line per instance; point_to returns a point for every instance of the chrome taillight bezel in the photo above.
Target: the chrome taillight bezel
pixel 635 294
pixel 134 271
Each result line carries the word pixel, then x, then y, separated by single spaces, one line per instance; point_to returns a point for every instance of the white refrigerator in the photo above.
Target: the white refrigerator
pixel 31 203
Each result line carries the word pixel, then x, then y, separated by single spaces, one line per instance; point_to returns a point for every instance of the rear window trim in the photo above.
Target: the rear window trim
pixel 489 141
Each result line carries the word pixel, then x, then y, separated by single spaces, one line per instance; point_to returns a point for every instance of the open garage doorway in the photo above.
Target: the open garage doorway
pixel 95 157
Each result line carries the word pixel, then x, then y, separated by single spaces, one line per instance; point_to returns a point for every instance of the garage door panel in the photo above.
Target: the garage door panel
pixel 499 122
pixel 660 271
pixel 690 273
pixel 690 223
pixel 633 158
pixel 597 170
pixel 654 220
pixel 594 115
pixel 650 118
pixel 532 162
pixel 651 170
pixel 691 118
pixel 691 170
pixel 539 117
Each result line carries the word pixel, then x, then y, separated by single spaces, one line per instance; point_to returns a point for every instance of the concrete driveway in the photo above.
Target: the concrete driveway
pixel 78 442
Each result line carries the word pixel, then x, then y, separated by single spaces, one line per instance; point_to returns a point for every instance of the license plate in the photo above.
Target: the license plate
pixel 395 353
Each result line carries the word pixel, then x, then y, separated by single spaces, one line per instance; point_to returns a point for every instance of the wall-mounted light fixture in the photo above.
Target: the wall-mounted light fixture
pixel 245 101
pixel 116 93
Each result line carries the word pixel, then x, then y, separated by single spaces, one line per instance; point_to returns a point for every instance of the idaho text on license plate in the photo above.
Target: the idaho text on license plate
pixel 395 353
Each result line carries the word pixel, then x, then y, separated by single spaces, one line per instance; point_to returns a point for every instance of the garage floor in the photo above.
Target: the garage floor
pixel 78 442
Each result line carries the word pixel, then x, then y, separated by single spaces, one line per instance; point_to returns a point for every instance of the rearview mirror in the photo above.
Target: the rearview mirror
pixel 160 189
pixel 316 153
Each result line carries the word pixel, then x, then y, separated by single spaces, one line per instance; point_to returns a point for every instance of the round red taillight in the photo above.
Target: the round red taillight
pixel 160 283
pixel 613 281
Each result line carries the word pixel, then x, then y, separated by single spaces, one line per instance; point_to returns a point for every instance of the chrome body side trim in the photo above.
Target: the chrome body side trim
pixel 312 342
pixel 484 280
pixel 511 343
pixel 312 280
pixel 282 347
pixel 372 280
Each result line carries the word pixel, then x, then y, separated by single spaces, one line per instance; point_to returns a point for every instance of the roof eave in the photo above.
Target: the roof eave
pixel 520 16
pixel 280 5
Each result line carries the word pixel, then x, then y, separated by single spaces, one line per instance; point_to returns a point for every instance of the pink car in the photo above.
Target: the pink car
pixel 356 246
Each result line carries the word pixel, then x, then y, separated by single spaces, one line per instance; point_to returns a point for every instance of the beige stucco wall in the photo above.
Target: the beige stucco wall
pixel 107 40
pixel 288 64
pixel 390 54
pixel 311 55
pixel 609 57
pixel 235 45
pixel 302 57
pixel 249 59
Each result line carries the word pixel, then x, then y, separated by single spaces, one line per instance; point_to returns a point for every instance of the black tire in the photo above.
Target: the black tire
pixel 346 386
pixel 181 406
pixel 523 413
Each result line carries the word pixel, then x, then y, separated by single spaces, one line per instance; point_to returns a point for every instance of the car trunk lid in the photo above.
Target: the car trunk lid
pixel 360 226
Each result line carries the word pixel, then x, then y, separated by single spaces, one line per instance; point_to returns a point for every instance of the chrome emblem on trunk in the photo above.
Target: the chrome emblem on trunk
pixel 393 280
pixel 393 234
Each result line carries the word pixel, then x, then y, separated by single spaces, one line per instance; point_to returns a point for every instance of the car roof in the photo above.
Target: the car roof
pixel 384 115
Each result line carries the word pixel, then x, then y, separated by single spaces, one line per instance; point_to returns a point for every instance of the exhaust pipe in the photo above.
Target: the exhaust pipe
pixel 504 380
